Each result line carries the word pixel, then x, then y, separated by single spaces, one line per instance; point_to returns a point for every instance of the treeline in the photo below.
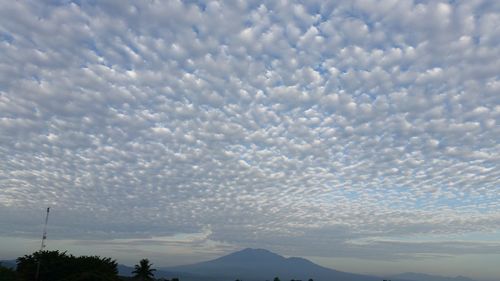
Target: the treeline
pixel 60 266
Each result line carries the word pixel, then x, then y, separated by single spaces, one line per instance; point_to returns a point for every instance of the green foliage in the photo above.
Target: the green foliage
pixel 95 264
pixel 59 266
pixel 7 274
pixel 276 279
pixel 143 271
pixel 53 265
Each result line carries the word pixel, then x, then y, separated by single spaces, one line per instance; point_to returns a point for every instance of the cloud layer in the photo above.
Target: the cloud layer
pixel 311 128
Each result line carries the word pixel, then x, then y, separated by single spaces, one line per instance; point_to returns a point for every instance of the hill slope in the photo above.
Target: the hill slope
pixel 428 277
pixel 9 263
pixel 259 264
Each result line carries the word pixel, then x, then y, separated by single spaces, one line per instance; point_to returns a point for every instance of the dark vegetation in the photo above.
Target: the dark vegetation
pixel 7 274
pixel 60 266
pixel 143 271
pixel 247 264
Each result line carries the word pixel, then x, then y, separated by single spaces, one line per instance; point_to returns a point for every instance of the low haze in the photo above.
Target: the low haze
pixel 362 135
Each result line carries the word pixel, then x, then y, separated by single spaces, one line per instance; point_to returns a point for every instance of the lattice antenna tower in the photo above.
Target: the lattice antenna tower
pixel 44 235
pixel 42 246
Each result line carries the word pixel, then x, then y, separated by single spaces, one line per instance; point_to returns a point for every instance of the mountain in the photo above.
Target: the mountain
pixel 9 263
pixel 426 277
pixel 125 270
pixel 260 265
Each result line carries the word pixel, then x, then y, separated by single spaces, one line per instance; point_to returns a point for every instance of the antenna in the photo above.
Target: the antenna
pixel 42 246
pixel 44 235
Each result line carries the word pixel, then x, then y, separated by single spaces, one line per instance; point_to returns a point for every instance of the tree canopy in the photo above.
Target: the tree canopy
pixel 143 270
pixel 60 266
pixel 7 274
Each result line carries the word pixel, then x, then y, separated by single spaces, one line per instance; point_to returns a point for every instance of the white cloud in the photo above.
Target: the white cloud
pixel 272 123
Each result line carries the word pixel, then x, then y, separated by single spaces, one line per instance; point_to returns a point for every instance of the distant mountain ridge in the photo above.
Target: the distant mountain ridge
pixel 427 277
pixel 8 263
pixel 259 265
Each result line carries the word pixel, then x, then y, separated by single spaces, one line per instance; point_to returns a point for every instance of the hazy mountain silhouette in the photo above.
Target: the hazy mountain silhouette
pixel 427 277
pixel 259 264
pixel 8 263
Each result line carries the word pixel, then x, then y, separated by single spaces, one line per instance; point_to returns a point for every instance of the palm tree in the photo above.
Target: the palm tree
pixel 143 270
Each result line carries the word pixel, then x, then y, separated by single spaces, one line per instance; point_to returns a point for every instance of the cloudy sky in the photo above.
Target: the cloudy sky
pixel 361 134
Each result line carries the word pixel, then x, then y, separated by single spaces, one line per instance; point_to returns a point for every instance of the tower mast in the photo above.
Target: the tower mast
pixel 44 235
pixel 42 246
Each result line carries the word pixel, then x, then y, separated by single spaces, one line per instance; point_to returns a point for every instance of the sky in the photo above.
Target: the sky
pixel 361 134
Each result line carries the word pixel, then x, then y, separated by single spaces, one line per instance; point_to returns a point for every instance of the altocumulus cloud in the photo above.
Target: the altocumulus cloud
pixel 309 127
